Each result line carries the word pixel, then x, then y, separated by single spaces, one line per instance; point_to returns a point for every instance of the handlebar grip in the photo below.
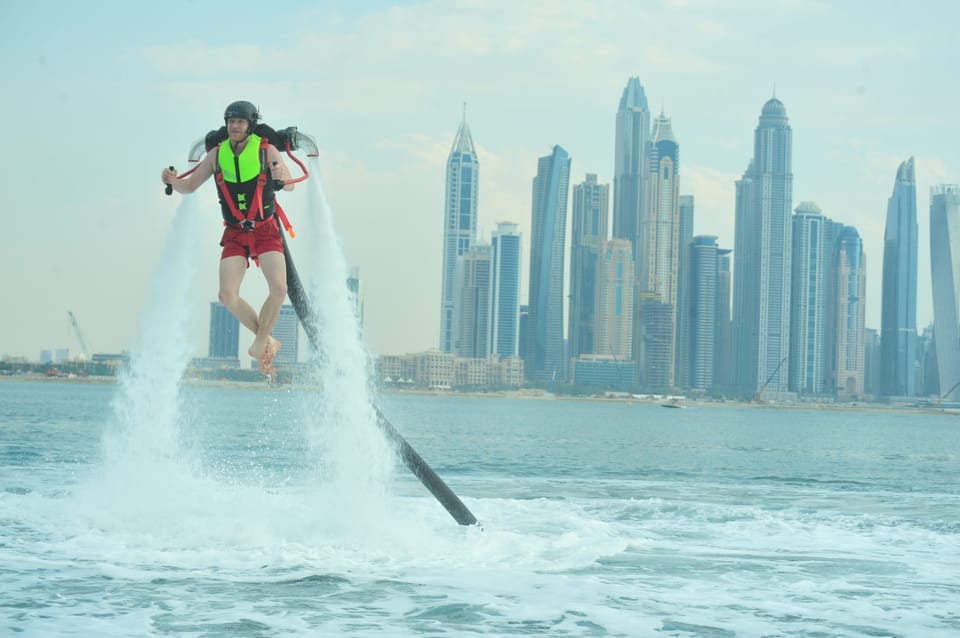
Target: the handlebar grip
pixel 169 189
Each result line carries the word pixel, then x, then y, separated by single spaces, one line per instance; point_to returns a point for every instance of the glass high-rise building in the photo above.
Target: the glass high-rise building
pixel 658 259
pixel 459 224
pixel 898 319
pixel 224 333
pixel 544 359
pixel 683 297
pixel 613 336
pixel 928 381
pixel 812 299
pixel 762 258
pixel 705 309
pixel 945 277
pixel 287 332
pixel 505 245
pixel 659 254
pixel 654 332
pixel 588 232
pixel 723 333
pixel 473 303
pixel 850 332
pixel 631 162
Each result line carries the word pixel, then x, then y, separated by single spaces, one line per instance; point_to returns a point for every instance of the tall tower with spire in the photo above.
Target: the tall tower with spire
pixel 898 314
pixel 762 258
pixel 658 261
pixel 459 224
pixel 631 161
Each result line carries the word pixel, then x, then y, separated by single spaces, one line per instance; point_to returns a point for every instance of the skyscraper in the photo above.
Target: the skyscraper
pixel 762 253
pixel 898 319
pixel 459 224
pixel 657 259
pixel 544 357
pixel 473 303
pixel 850 345
pixel 631 162
pixel 812 298
pixel 287 331
pixel 505 290
pixel 224 332
pixel 723 333
pixel 705 298
pixel 589 230
pixel 683 297
pixel 945 277
pixel 928 381
pixel 659 255
pixel 613 335
pixel 871 361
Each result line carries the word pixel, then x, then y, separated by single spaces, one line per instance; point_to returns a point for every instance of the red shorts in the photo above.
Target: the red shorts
pixel 251 243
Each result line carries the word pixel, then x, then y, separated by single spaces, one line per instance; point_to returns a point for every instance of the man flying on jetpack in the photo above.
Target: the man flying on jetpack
pixel 249 169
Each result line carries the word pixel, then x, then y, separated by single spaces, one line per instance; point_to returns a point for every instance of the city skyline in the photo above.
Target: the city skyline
pixel 854 99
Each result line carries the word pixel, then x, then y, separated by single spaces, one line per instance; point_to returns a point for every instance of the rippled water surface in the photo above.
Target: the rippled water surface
pixel 597 519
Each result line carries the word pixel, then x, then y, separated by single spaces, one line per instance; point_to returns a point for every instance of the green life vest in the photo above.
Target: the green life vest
pixel 239 175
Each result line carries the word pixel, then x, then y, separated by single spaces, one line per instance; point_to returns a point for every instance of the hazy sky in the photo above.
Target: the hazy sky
pixel 100 95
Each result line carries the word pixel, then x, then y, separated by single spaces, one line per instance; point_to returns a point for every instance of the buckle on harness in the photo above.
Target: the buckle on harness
pixel 247 225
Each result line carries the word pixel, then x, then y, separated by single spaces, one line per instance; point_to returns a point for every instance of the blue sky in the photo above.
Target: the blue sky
pixel 101 95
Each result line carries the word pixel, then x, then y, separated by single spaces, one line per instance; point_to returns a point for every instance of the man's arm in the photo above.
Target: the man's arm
pixel 278 168
pixel 196 178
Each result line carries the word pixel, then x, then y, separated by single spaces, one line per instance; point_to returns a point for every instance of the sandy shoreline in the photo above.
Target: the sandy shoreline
pixel 522 394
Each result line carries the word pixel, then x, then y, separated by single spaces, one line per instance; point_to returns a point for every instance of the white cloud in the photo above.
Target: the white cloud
pixel 382 92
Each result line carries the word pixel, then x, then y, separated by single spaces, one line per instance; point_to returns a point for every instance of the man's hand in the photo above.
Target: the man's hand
pixel 279 171
pixel 280 174
pixel 168 175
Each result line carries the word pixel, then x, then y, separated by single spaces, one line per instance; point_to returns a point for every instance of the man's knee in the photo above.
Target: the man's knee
pixel 278 289
pixel 228 297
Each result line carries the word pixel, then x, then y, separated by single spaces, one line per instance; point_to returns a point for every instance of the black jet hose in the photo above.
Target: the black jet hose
pixel 410 457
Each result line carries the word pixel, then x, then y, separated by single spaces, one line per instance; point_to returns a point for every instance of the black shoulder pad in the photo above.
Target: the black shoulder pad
pixel 272 136
pixel 215 137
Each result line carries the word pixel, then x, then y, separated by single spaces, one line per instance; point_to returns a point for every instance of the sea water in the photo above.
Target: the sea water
pixel 598 519
pixel 148 507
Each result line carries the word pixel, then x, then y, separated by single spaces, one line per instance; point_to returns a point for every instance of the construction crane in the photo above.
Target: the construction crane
pixel 83 343
pixel 945 395
pixel 759 394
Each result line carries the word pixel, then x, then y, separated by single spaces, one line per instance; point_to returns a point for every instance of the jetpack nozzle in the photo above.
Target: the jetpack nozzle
pixel 299 141
pixel 197 151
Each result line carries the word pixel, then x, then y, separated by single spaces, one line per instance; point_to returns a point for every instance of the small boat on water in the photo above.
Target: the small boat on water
pixel 672 403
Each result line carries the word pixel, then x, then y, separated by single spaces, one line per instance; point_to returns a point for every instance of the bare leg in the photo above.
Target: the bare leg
pixel 232 270
pixel 275 271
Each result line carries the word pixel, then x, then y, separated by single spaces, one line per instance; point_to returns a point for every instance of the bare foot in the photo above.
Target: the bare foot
pixel 257 350
pixel 269 354
pixel 265 354
pixel 273 346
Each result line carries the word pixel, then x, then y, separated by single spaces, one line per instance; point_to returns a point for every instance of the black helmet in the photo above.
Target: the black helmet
pixel 242 110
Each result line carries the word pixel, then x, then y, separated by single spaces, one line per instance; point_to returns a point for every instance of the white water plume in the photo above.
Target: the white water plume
pixel 147 406
pixel 344 426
